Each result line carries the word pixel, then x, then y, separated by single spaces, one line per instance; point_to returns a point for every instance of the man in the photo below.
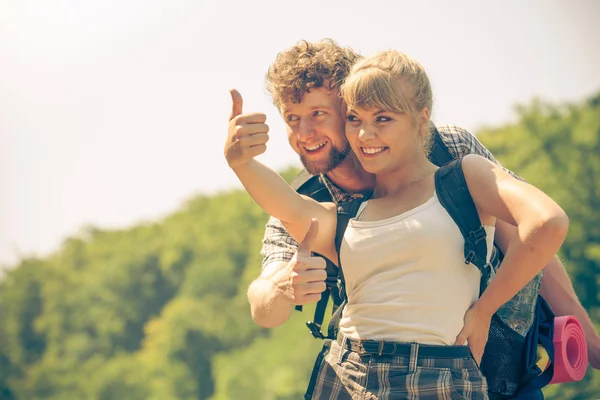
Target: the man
pixel 304 83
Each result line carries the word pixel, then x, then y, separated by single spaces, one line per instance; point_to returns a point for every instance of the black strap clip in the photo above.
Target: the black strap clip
pixel 315 329
pixel 477 235
pixel 469 257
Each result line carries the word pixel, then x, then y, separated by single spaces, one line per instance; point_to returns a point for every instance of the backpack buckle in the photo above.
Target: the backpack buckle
pixel 315 330
pixel 491 270
pixel 477 235
pixel 469 257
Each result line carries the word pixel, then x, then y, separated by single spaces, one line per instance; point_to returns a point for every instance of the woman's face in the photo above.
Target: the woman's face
pixel 382 140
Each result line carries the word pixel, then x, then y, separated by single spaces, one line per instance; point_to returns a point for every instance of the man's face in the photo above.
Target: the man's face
pixel 315 129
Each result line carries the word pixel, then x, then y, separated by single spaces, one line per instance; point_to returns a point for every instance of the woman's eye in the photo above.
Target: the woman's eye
pixel 383 119
pixel 352 118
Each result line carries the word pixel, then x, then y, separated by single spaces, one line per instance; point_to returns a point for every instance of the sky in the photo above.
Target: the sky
pixel 114 112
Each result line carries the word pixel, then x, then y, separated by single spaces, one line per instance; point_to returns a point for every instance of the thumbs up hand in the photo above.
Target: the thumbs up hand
pixel 302 280
pixel 247 135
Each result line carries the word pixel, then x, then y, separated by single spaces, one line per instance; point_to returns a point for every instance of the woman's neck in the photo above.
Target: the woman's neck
pixel 393 182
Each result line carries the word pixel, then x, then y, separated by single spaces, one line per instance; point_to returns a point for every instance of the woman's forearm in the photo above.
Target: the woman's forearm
pixel 534 245
pixel 270 191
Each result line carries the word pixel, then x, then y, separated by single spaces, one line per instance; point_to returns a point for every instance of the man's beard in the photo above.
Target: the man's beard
pixel 335 158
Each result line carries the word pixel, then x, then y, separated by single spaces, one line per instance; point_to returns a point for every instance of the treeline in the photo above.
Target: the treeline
pixel 159 311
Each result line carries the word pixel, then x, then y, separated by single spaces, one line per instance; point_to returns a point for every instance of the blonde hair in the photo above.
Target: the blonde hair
pixel 392 81
pixel 306 66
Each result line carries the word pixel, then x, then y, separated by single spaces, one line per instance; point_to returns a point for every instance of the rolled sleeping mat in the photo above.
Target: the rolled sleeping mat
pixel 570 350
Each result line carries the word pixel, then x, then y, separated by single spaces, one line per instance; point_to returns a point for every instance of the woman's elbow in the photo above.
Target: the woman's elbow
pixel 556 224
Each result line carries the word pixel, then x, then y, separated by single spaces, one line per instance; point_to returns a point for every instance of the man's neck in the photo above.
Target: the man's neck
pixel 351 178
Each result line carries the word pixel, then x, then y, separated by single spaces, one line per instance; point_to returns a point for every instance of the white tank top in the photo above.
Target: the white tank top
pixel 406 279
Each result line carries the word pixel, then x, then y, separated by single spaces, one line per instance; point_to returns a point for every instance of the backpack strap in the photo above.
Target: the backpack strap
pixel 439 154
pixel 345 212
pixel 453 193
pixel 312 186
pixel 315 326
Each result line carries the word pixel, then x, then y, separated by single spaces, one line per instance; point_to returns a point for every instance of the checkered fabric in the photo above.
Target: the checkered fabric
pixel 348 375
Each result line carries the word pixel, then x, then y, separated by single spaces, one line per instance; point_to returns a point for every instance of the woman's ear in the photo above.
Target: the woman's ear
pixel 424 121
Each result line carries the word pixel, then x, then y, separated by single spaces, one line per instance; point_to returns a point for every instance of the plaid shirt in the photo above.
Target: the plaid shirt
pixel 278 245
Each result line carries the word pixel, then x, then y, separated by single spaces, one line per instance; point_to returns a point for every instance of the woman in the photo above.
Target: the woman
pixel 402 256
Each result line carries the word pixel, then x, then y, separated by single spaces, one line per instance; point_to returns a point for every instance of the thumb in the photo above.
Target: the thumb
pixel 305 246
pixel 461 338
pixel 236 103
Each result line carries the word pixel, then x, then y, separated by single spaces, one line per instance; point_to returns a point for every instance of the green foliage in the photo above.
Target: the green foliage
pixel 159 311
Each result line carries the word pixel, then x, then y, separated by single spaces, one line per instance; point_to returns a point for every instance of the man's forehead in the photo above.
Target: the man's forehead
pixel 320 98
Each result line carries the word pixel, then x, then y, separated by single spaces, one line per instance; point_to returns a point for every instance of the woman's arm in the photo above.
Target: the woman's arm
pixel 247 136
pixel 541 228
pixel 272 193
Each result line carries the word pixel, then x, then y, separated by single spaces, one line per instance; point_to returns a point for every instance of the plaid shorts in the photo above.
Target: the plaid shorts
pixel 347 374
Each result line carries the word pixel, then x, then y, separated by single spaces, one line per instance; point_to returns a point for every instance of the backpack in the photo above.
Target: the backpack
pixel 509 359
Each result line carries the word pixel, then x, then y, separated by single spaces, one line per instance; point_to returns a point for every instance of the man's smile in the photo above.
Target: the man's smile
pixel 314 147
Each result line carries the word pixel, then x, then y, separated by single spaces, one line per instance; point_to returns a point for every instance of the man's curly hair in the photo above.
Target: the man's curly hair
pixel 306 66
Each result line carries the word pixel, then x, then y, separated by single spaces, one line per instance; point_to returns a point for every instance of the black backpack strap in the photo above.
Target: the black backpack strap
pixel 345 212
pixel 313 186
pixel 315 325
pixel 453 193
pixel 301 179
pixel 439 154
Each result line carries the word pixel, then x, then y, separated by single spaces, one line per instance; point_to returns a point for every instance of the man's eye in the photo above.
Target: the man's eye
pixel 318 113
pixel 292 118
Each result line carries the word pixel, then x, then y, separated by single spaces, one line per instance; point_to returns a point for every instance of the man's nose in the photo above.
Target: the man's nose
pixel 306 130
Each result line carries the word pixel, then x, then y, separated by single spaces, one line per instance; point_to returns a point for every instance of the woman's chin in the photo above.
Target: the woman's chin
pixel 371 168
